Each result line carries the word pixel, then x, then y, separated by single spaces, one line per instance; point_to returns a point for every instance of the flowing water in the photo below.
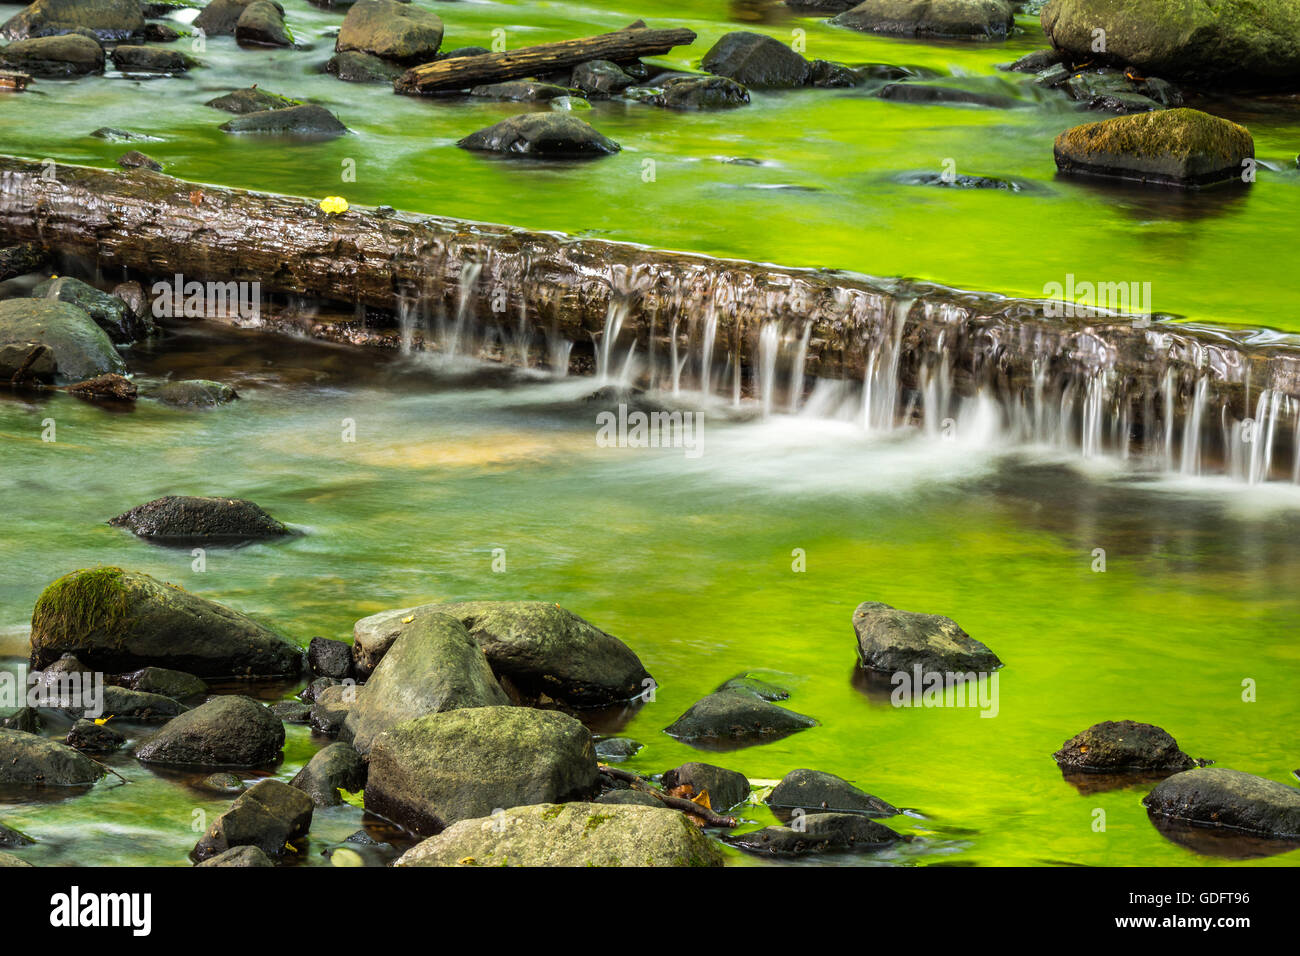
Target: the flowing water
pixel 998 507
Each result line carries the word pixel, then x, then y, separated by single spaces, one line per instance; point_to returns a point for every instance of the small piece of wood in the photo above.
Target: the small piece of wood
pixel 12 80
pixel 459 73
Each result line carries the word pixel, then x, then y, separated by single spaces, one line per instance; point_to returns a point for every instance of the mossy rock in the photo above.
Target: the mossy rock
pixel 892 641
pixel 116 621
pixel 1179 147
pixel 194 393
pixel 81 348
pixel 818 833
pixel 251 100
pixel 574 834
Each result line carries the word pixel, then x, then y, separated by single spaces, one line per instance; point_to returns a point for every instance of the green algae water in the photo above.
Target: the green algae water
pixel 691 561
pixel 820 185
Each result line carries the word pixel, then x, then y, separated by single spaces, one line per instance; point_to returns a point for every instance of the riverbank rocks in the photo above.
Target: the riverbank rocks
pixel 227 731
pixel 219 18
pixel 107 19
pixel 177 685
pixel 726 788
pixel 333 767
pixel 728 719
pixel 818 833
pixel 30 760
pixel 307 120
pixel 757 61
pixel 435 666
pixel 90 737
pixel 54 57
pixel 1228 799
pixel 400 32
pixel 892 641
pixel 1178 147
pixel 538 648
pixel 150 59
pixel 1117 746
pixel 267 816
pixel 117 621
pixel 251 100
pixel 81 348
pixel 575 834
pixel 543 136
pixel 938 19
pixel 185 519
pixel 240 856
pixel 194 393
pixel 814 791
pixel 432 772
pixel 1231 42
pixel 262 24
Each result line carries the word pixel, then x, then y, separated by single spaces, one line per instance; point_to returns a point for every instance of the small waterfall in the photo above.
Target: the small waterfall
pixel 768 343
pixel 1191 459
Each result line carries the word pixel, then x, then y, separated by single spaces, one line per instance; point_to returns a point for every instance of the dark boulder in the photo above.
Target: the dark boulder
pixel 757 61
pixel 327 658
pixel 126 704
pixel 267 816
pixel 542 135
pixel 1229 799
pixel 948 19
pixel 307 120
pixel 400 32
pixel 700 93
pixel 818 833
pixel 726 788
pixel 194 393
pixel 251 100
pixel 892 641
pixel 150 59
pixel 90 737
pixel 177 685
pixel 107 311
pixel 1178 147
pixel 220 17
pixel 521 91
pixel 1117 746
pixel 815 791
pixel 26 719
pixel 330 709
pixel 187 520
pixel 292 711
pixel 309 693
pixel 81 348
pixel 134 159
pixel 755 686
pixel 355 67
pixel 335 767
pixel 429 773
pixel 106 19
pixel 228 731
pixel 262 24
pixel 116 621
pixel 599 78
pixel 616 748
pixel 30 760
pixel 735 719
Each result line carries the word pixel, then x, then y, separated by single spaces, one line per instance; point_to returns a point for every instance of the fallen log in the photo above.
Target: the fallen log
pixel 459 73
pixel 723 326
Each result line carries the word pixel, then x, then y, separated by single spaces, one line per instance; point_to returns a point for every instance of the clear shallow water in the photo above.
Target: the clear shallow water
pixel 1212 256
pixel 689 562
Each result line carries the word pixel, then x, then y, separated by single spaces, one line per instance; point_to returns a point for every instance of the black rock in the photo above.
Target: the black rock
pixel 726 788
pixel 757 61
pixel 542 135
pixel 134 159
pixel 817 833
pixel 90 737
pixel 292 711
pixel 267 816
pixel 327 658
pixel 177 685
pixel 356 67
pixel 108 311
pixel 599 78
pixel 616 748
pixel 262 24
pixel 309 693
pixel 335 767
pixel 892 641
pixel 186 520
pixel 699 93
pixel 149 59
pixel 29 760
pixel 521 91
pixel 251 100
pixel 308 120
pixel 1229 799
pixel 731 718
pixel 749 684
pixel 814 791
pixel 1117 746
pixel 128 704
pixel 228 731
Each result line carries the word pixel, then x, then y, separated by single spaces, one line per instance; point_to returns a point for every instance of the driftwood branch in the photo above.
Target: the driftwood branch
pixel 459 73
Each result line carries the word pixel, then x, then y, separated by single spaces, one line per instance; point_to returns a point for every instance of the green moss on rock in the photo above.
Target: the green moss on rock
pixel 91 601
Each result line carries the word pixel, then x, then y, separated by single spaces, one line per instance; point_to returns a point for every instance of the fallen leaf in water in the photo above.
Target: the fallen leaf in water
pixel 702 799
pixel 101 721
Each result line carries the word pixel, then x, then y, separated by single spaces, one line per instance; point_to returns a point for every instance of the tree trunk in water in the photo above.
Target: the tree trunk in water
pixel 459 73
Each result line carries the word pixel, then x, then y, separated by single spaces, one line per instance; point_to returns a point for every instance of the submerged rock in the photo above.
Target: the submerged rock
pixel 617 748
pixel 957 181
pixel 948 19
pixel 599 78
pixel 401 32
pixel 539 648
pixel 116 621
pixel 726 788
pixel 88 736
pixel 732 718
pixel 223 783
pixel 1230 799
pixel 194 393
pixel 227 731
pixel 892 641
pixel 115 388
pixel 521 91
pixel 177 685
pixel 267 816
pixel 81 348
pixel 1115 746
pixel 542 135
pixel 575 834
pixel 150 59
pixel 750 684
pixel 185 519
pixel 354 67
pixel 251 100
pixel 429 773
pixel 134 159
pixel 917 92
pixel 757 61
pixel 240 856
pixel 819 833
pixel 1230 42
pixel 1178 147
pixel 30 760
pixel 306 120
pixel 435 666
pixel 333 767
pixel 106 19
pixel 815 791
pixel 700 93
